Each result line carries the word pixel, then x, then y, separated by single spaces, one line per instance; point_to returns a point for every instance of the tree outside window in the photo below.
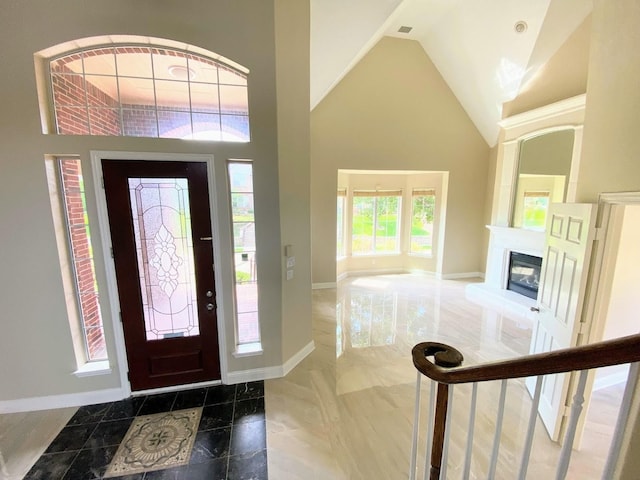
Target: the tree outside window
pixel 423 204
pixel 536 205
pixel 340 215
pixel 376 222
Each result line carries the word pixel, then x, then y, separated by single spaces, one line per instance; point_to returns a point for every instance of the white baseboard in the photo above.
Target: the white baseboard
pixel 271 372
pixel 62 401
pixel 396 271
pixel 298 357
pixel 456 276
pixel 254 374
pixel 319 286
pixel 382 271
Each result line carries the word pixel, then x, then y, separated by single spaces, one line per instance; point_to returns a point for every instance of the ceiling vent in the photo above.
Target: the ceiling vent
pixel 405 29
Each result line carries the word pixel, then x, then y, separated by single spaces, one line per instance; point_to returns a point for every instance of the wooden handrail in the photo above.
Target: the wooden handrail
pixel 602 354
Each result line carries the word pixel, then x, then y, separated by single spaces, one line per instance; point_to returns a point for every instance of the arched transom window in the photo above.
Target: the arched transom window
pixel 148 91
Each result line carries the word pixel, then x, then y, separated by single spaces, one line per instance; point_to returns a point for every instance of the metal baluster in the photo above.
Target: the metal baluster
pixel 533 415
pixel 472 424
pixel 623 418
pixel 574 416
pixel 496 438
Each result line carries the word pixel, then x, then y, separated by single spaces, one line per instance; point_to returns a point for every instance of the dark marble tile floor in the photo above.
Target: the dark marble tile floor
pixel 231 442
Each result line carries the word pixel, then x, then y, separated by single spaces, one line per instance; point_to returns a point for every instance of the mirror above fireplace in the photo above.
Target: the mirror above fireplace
pixel 560 122
pixel 544 165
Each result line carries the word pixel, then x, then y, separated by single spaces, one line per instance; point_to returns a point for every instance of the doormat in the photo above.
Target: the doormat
pixel 155 442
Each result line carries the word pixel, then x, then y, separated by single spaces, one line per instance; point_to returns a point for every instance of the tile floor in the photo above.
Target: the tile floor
pixel 346 411
pixel 230 443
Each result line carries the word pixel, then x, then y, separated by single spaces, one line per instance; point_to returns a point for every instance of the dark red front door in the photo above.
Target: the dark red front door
pixel 161 237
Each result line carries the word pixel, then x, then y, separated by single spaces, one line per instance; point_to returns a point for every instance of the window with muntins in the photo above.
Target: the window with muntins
pixel 423 204
pixel 148 91
pixel 340 226
pixel 376 222
pixel 536 205
pixel 244 246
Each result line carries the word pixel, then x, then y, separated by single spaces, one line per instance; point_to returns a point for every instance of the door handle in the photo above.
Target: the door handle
pixel 535 309
pixel 210 306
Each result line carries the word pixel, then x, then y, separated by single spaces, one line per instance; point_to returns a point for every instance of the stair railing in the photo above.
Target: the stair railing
pixel 445 371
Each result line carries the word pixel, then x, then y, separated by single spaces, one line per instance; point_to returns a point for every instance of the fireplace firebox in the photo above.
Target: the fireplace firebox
pixel 524 274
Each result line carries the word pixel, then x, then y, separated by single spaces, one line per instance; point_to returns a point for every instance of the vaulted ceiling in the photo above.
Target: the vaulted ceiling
pixel 473 43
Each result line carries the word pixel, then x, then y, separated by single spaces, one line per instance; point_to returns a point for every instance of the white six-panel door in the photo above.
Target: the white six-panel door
pixel 569 237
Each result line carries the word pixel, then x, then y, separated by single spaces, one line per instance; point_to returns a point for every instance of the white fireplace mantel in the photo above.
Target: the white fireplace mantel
pixel 503 241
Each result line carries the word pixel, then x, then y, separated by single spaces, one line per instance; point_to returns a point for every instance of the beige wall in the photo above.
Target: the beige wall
pixel 394 111
pixel 563 76
pixel 611 147
pixel 36 353
pixel 292 42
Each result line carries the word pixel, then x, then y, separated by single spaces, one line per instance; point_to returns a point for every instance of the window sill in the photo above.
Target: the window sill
pixel 248 350
pixel 91 369
pixel 369 255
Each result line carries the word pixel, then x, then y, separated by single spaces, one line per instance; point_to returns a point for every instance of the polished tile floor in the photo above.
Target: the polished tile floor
pixel 230 443
pixel 346 411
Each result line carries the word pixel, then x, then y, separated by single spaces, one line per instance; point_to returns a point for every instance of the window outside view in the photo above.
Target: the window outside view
pixel 375 222
pixel 423 203
pixel 147 91
pixel 86 287
pixel 536 205
pixel 340 215
pixel 244 244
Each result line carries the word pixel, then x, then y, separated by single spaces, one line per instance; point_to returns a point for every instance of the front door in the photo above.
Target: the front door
pixel 162 248
pixel 570 233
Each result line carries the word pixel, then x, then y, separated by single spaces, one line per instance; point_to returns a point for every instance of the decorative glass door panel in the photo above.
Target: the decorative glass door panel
pixel 164 246
pixel 160 225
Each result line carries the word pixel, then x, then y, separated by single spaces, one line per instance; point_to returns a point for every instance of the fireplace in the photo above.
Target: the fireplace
pixel 524 274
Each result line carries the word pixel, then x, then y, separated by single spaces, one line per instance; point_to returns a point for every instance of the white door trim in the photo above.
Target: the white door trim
pixel 595 303
pixel 105 237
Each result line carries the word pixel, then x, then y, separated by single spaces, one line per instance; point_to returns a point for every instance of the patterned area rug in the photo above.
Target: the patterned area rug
pixel 155 442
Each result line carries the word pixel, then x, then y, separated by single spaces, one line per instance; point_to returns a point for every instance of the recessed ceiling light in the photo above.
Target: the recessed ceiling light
pixel 181 72
pixel 520 27
pixel 405 29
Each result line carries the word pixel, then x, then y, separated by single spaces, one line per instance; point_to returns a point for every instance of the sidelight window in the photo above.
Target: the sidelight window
pixel 76 257
pixel 245 262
